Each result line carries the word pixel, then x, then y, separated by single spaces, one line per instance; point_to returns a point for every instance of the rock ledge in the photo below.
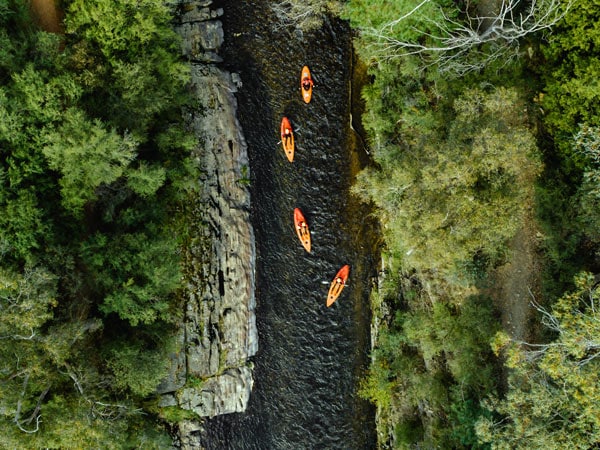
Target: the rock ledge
pixel 219 333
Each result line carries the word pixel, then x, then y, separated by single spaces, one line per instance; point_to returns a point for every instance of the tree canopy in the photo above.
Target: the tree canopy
pixel 554 388
pixel 95 164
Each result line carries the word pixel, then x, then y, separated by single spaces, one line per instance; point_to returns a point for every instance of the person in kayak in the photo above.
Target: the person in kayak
pixel 339 280
pixel 307 83
pixel 287 136
pixel 302 225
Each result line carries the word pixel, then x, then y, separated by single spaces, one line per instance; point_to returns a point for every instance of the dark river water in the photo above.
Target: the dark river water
pixel 310 357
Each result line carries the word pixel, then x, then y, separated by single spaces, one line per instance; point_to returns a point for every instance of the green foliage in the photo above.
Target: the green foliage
pixel 38 364
pixel 133 26
pixel 174 414
pixel 378 386
pixel 586 143
pixel 409 433
pixel 127 53
pixel 87 155
pixel 16 36
pixel 438 359
pixel 452 180
pixel 146 179
pixel 70 423
pixel 572 90
pixel 138 369
pixel 379 14
pixel 136 272
pixel 567 208
pixel 381 24
pixel 94 160
pixel 43 96
pixel 455 170
pixel 22 225
pixel 450 198
pixel 554 388
pixel 466 412
pixel 26 301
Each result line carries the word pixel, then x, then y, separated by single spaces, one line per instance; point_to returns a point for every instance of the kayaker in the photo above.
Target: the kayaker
pixel 287 133
pixel 301 225
pixel 307 83
pixel 339 280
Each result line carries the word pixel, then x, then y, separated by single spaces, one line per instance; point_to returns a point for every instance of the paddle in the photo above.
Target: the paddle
pixel 329 282
pixel 296 131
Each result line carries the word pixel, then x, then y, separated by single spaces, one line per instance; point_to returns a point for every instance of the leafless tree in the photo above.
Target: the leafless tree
pixel 458 45
pixel 587 341
pixel 305 15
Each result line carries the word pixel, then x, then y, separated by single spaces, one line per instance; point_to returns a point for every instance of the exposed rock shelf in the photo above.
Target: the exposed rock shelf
pixel 219 333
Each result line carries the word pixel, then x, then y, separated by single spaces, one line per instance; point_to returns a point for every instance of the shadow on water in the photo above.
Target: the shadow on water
pixel 310 357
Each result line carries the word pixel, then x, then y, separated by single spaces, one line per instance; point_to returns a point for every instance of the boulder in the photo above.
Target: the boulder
pixel 223 394
pixel 201 40
pixel 189 435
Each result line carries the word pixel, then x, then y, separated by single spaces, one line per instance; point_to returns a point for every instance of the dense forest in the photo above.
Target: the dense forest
pixel 483 119
pixel 95 169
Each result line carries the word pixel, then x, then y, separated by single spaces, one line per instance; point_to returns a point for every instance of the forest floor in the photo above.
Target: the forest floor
pixel 48 15
pixel 518 282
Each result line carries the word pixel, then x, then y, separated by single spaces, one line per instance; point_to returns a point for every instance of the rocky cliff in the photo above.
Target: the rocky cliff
pixel 212 374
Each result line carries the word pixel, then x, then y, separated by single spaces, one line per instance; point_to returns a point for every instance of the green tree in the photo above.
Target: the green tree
pixel 570 74
pixel 136 273
pixel 93 152
pixel 553 399
pixel 86 155
pixel 446 200
pixel 23 229
pixel 26 302
pixel 456 38
pixel 146 179
pixel 139 365
pixel 127 53
pixel 586 145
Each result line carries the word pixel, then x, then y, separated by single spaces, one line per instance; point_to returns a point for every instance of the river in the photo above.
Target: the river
pixel 310 357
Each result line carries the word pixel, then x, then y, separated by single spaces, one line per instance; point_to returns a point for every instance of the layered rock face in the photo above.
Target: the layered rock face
pixel 219 334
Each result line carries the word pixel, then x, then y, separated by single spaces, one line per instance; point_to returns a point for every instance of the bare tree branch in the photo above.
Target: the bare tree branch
pixel 19 337
pixel 35 415
pixel 590 344
pixel 303 15
pixel 457 46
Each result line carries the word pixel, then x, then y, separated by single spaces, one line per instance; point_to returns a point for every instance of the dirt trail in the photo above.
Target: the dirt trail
pixel 518 280
pixel 47 15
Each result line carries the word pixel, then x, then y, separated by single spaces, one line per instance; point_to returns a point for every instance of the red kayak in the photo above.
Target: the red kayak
pixel 306 84
pixel 287 138
pixel 337 285
pixel 302 229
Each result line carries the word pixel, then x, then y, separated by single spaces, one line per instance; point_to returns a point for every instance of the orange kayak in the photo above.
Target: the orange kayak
pixel 338 284
pixel 302 229
pixel 287 138
pixel 306 84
